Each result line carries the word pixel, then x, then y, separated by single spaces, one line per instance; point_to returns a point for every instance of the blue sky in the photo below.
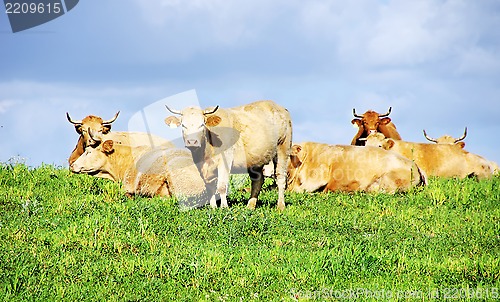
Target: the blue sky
pixel 437 63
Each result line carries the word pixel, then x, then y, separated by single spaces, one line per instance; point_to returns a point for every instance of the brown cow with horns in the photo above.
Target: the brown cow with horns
pixel 91 130
pixel 372 122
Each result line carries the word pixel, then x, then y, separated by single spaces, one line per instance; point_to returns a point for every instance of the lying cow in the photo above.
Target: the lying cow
pixel 316 167
pixel 442 160
pixel 162 171
pixel 371 122
pixel 447 139
pixel 240 139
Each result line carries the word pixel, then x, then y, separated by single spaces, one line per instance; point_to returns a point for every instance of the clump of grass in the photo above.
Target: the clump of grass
pixel 75 237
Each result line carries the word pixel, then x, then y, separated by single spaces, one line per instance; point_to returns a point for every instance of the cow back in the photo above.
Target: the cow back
pixel 252 132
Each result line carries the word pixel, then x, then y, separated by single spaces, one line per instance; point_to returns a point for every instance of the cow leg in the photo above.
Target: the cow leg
pixel 257 178
pixel 283 155
pixel 223 177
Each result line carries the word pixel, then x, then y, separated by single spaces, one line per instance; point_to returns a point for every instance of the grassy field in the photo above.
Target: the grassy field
pixel 75 237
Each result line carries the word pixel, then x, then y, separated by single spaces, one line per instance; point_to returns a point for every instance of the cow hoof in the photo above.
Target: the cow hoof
pixel 280 206
pixel 252 202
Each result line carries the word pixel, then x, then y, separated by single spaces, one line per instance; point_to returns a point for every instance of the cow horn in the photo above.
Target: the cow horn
pixel 173 110
pixel 356 115
pixel 430 138
pixel 91 134
pixel 113 119
pixel 72 121
pixel 207 111
pixel 386 114
pixel 462 137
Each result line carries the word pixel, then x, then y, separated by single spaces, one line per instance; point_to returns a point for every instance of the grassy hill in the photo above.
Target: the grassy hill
pixel 75 237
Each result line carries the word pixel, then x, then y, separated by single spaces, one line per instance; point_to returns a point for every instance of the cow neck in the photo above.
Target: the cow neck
pixel 203 158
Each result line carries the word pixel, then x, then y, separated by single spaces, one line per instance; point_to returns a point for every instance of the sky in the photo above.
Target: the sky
pixel 435 62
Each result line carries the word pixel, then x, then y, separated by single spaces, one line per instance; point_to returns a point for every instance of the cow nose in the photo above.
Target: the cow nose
pixel 192 143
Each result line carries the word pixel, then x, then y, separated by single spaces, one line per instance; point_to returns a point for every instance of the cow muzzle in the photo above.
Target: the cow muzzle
pixel 75 168
pixel 192 143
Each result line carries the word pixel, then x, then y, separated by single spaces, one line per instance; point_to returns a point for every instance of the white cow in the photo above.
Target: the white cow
pixel 240 139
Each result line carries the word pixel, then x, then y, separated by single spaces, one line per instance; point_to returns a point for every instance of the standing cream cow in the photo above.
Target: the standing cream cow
pixel 240 139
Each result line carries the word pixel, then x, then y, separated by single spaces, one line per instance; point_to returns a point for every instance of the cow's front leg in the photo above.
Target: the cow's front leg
pixel 222 183
pixel 257 178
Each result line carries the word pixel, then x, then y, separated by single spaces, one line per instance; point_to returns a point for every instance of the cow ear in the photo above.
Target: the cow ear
pixel 295 150
pixel 389 144
pixel 173 121
pixel 78 129
pixel 213 120
pixel 106 129
pixel 107 146
pixel 461 144
pixel 356 123
pixel 385 120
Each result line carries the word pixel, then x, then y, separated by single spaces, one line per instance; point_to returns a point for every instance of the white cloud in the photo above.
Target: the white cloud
pixel 210 23
pixel 402 34
pixel 6 104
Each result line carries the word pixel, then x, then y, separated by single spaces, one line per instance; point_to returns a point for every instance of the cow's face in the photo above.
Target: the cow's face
pixel 296 156
pixel 93 159
pixel 379 140
pixel 92 128
pixel 447 139
pixel 371 122
pixel 194 121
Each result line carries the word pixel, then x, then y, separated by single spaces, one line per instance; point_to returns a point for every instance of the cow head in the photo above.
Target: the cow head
pixel 379 140
pixel 446 139
pixel 94 159
pixel 92 127
pixel 370 122
pixel 296 160
pixel 194 122
pixel 296 156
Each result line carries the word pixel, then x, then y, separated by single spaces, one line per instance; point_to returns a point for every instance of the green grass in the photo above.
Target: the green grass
pixel 74 237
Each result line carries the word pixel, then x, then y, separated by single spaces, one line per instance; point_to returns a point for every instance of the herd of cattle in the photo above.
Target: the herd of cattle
pixel 257 137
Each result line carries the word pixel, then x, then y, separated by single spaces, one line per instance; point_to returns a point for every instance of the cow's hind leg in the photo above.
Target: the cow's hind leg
pixel 257 178
pixel 281 169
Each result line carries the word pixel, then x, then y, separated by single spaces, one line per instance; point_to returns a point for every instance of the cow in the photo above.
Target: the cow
pixel 145 171
pixel 90 124
pixel 93 129
pixel 317 167
pixel 446 139
pixel 371 122
pixel 239 139
pixel 442 160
